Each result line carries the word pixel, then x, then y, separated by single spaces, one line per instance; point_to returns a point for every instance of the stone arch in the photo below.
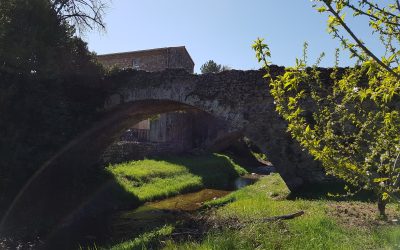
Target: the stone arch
pixel 241 98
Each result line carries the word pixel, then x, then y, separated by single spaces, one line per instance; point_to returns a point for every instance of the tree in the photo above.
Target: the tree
pixel 210 67
pixel 225 68
pixel 355 122
pixel 49 88
pixel 36 39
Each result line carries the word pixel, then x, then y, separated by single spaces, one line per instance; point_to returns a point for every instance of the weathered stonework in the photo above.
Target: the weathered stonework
pixel 124 151
pixel 241 98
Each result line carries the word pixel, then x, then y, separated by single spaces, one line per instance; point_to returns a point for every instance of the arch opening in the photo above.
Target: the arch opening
pixel 177 132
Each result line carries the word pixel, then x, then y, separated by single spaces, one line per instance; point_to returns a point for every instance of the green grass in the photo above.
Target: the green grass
pixel 144 240
pixel 153 179
pixel 147 169
pixel 318 228
pixel 314 230
pixel 260 156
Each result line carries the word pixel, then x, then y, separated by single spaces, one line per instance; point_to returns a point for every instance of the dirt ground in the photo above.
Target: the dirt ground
pixel 362 214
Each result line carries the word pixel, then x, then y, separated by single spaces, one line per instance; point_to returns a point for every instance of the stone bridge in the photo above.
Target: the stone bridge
pixel 241 98
pixel 66 185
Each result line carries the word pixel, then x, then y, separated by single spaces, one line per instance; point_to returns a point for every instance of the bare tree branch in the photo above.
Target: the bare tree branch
pixel 83 14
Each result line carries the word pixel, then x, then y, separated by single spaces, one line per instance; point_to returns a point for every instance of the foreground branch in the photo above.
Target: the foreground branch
pixel 283 217
pixel 359 43
pixel 268 219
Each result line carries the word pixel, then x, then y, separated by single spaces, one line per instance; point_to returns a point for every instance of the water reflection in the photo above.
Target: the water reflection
pixel 128 224
pixel 245 180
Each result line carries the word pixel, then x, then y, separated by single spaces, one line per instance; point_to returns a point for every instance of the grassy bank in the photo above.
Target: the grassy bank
pixel 160 178
pixel 326 224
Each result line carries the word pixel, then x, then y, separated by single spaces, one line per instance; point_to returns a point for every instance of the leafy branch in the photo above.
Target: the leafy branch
pixel 338 20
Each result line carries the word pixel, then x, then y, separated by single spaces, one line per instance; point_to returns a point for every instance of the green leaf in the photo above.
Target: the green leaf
pixel 379 180
pixel 321 9
pixel 385 196
pixel 308 129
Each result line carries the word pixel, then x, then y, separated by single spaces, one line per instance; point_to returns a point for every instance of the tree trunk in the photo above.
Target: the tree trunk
pixel 381 207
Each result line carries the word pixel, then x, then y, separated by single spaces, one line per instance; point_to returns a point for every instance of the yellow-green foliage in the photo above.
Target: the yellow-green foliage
pixel 383 21
pixel 355 124
pixel 354 130
pixel 158 178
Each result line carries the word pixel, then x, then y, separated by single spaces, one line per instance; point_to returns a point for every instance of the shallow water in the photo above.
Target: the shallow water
pixel 151 215
pixel 127 224
pixel 106 229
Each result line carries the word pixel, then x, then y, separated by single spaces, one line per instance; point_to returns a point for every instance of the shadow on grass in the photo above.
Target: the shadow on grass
pixel 216 172
pixel 74 208
pixel 88 222
pixel 334 191
pixel 91 221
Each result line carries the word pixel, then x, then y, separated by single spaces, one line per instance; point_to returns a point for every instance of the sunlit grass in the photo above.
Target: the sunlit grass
pixel 152 179
pixel 316 229
pixel 144 240
pixel 147 169
pixel 165 187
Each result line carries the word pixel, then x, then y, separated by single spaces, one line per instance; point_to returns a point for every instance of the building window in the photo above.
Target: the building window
pixel 135 63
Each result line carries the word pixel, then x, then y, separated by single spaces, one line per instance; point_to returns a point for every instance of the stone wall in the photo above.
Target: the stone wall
pixel 178 57
pixel 124 151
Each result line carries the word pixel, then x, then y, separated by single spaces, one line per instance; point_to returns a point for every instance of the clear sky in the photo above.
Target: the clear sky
pixel 221 30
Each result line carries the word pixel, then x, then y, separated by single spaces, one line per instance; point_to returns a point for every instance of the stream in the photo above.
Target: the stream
pixel 128 224
pixel 151 215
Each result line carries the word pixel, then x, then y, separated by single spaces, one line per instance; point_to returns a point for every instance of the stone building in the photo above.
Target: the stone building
pixel 175 132
pixel 150 60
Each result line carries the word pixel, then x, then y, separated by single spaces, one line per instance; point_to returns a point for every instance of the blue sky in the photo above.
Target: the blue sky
pixel 221 30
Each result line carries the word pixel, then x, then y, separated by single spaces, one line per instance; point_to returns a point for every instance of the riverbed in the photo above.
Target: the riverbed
pixel 151 215
pixel 112 228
